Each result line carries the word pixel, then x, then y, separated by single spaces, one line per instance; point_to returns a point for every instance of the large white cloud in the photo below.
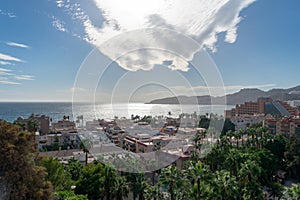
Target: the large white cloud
pixel 201 20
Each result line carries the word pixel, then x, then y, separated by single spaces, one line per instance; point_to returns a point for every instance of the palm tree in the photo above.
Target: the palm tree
pixel 153 192
pixel 224 142
pixel 229 135
pixel 198 141
pixel 233 160
pixel 292 156
pixel 195 172
pixel 275 190
pixel 121 188
pixel 237 137
pixel 249 175
pixel 171 178
pixel 252 132
pixel 242 132
pixel 33 127
pixel 215 158
pixel 226 186
pixel 137 118
pixel 156 149
pixel 86 145
pixel 138 185
pixel 110 179
pixel 263 131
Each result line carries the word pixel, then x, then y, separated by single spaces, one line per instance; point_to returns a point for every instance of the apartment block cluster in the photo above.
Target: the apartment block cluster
pixel 60 134
pixel 279 116
pixel 173 136
pixel 263 106
pixel 144 138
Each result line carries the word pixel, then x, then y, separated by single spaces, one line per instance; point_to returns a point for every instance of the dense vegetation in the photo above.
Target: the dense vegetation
pixel 236 168
pixel 20 177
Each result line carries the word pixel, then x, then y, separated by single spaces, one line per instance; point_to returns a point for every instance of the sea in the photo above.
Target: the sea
pixel 10 111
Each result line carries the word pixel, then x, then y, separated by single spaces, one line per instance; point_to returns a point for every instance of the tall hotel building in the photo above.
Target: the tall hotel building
pixel 263 106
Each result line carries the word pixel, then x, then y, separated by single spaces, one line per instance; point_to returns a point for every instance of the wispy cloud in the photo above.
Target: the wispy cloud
pixel 5 63
pixel 6 81
pixel 9 58
pixel 4 73
pixel 5 70
pixel 59 24
pixel 11 15
pixel 24 77
pixel 8 14
pixel 72 89
pixel 8 77
pixel 200 20
pixel 60 3
pixel 15 44
pixel 77 89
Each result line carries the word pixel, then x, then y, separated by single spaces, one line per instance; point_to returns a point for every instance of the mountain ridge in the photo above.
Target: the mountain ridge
pixel 245 94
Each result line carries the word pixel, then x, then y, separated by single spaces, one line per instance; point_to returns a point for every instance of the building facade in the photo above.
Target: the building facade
pixel 284 125
pixel 43 123
pixel 263 106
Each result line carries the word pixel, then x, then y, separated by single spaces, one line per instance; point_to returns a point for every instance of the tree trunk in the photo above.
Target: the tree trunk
pixel 172 195
pixel 141 196
pixel 198 189
pixel 86 158
pixel 242 142
pixel 172 191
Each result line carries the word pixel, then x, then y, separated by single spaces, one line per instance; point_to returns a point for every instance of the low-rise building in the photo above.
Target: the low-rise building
pixel 115 134
pixel 63 125
pixel 93 125
pixel 43 123
pixel 189 120
pixel 284 125
pixel 64 155
pixel 271 124
pixel 245 121
pixel 55 139
pixel 61 140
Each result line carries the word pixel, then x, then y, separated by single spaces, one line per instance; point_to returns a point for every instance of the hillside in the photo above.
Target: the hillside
pixel 236 98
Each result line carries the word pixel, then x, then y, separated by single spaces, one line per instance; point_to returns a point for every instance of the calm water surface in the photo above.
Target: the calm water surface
pixel 11 111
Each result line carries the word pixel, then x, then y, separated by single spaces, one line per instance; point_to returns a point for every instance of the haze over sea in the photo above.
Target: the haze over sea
pixel 10 111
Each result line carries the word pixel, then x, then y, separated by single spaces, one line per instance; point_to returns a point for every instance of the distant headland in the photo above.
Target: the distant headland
pixel 249 94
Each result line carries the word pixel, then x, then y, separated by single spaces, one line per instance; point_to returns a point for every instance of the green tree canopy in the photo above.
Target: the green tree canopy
pixel 69 195
pixel 56 174
pixel 24 179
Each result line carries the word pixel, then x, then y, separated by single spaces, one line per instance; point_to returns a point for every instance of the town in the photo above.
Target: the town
pixel 66 139
pixel 157 150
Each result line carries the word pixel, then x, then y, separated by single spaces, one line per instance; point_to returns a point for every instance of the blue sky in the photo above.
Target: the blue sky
pixel 44 43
